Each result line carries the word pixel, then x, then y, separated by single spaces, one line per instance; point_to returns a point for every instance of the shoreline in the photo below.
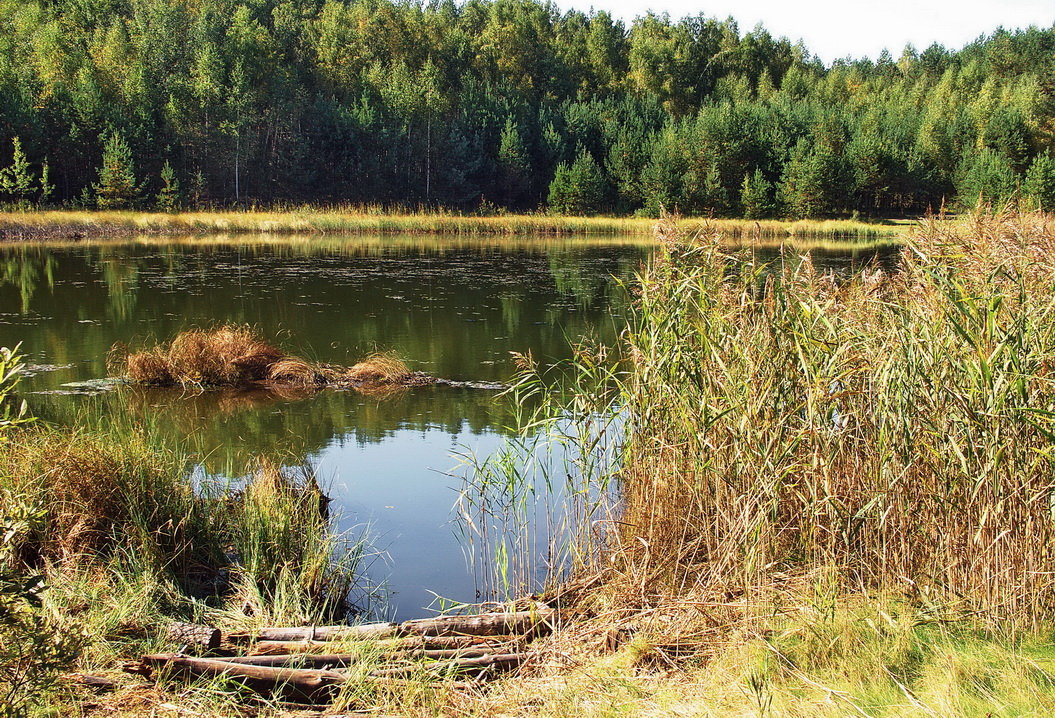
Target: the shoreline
pixel 77 226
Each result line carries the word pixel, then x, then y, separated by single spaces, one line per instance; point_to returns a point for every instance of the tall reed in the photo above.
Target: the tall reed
pixel 897 427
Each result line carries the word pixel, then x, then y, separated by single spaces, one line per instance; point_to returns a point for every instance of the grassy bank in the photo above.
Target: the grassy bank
pixel 106 538
pixel 56 225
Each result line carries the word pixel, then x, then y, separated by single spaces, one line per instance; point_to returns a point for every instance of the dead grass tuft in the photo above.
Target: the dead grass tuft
pixel 236 356
pixel 379 368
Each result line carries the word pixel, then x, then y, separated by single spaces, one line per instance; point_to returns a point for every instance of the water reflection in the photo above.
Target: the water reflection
pixel 452 307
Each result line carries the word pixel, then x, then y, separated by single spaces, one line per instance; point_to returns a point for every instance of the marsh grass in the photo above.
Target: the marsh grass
pixel 896 427
pixel 234 355
pixel 834 495
pixel 378 221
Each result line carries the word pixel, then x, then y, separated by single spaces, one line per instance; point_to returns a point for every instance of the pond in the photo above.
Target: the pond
pixel 453 308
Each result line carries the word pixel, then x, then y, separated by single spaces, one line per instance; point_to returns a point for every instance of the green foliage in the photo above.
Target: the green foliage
pixel 1039 186
pixel 394 104
pixel 17 181
pixel 986 177
pixel 514 166
pixel 756 196
pixel 33 647
pixel 10 367
pixel 579 188
pixel 169 197
pixel 116 188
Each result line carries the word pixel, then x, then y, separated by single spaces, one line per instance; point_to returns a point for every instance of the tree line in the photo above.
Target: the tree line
pixel 503 104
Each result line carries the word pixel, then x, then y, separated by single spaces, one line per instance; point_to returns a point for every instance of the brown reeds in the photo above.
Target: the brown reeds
pixel 379 368
pixel 236 356
pixel 896 428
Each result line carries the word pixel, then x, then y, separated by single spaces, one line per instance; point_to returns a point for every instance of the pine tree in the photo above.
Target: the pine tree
pixel 17 181
pixel 168 199
pixel 514 166
pixel 46 188
pixel 580 188
pixel 116 188
pixel 986 177
pixel 756 196
pixel 1039 186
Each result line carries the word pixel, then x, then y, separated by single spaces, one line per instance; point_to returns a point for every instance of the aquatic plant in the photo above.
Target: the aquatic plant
pixel 236 356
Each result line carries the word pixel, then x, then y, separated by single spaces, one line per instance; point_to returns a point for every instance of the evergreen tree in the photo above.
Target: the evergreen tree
pixel 168 199
pixel 1039 186
pixel 46 188
pixel 986 177
pixel 116 188
pixel 514 166
pixel 17 181
pixel 580 188
pixel 756 196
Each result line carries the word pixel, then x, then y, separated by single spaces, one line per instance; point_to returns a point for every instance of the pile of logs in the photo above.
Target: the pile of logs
pixel 299 663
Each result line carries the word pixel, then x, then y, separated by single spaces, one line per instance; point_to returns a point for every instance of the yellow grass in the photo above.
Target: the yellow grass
pixel 359 220
pixel 380 368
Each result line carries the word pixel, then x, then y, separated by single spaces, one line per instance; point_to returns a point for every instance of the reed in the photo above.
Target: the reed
pixel 897 427
pixel 354 220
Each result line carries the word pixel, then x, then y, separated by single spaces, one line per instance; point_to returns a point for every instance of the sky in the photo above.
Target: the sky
pixel 834 29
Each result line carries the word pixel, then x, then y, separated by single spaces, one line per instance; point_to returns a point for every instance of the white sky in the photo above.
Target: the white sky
pixel 832 29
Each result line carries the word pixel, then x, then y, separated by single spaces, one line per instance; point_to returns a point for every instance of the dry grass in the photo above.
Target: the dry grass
pixel 896 427
pixel 228 355
pixel 236 356
pixel 379 369
pixel 379 221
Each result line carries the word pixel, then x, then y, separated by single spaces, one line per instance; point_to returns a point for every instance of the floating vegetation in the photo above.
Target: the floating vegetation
pixel 236 356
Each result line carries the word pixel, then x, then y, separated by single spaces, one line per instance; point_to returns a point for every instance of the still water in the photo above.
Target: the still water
pixel 455 309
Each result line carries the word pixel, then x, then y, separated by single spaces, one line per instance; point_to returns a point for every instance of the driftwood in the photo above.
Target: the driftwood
pixel 297 684
pixel 407 643
pixel 498 661
pixel 366 631
pixel 484 624
pixel 343 660
pixel 191 634
pixel 299 663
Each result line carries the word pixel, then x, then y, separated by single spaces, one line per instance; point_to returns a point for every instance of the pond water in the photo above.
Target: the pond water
pixel 455 309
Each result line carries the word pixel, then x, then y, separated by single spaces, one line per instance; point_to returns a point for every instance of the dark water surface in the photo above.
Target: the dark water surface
pixel 453 308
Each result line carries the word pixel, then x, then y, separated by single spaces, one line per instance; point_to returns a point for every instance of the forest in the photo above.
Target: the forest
pixel 503 105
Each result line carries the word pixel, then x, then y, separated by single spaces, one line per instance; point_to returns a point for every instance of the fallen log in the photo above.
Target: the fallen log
pixel 343 660
pixel 292 683
pixel 484 624
pixel 366 631
pixel 192 634
pixel 300 660
pixel 499 661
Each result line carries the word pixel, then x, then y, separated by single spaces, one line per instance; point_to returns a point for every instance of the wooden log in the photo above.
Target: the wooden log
pixel 192 634
pixel 292 683
pixel 364 632
pixel 484 624
pixel 343 660
pixel 433 643
pixel 300 660
pixel 500 661
pixel 266 648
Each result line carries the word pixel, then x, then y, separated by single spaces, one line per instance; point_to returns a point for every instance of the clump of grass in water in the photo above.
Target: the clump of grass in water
pixel 225 356
pixel 236 356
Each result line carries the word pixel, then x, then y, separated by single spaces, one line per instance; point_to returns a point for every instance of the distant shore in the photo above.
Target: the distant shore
pixel 88 225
